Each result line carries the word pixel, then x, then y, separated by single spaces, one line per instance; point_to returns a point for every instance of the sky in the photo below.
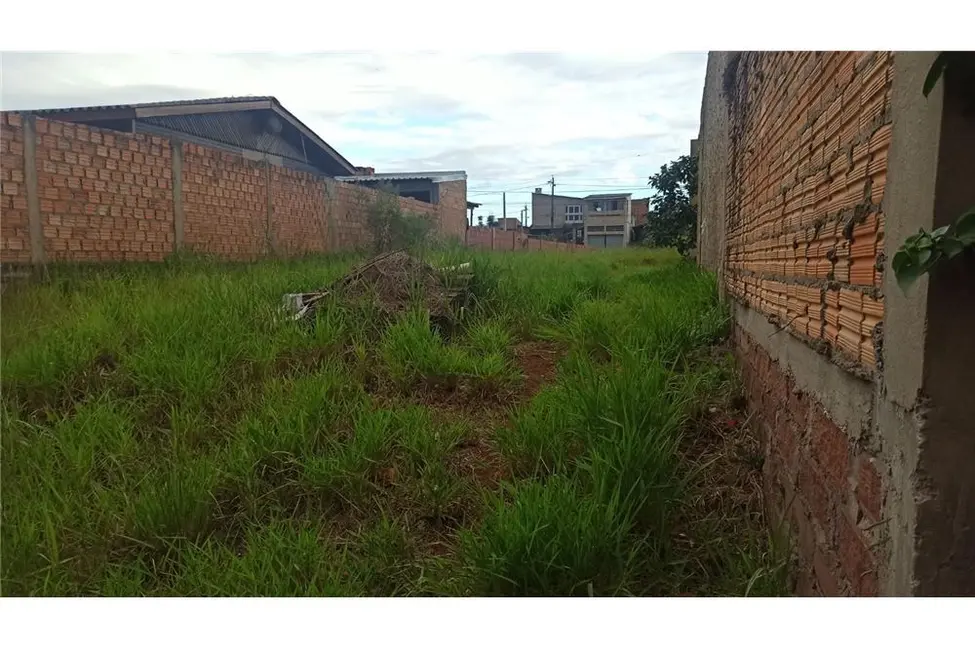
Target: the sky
pixel 597 123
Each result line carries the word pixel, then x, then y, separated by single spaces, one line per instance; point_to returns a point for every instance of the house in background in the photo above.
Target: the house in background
pixel 640 210
pixel 557 216
pixel 422 186
pixel 608 220
pixel 507 223
pixel 257 128
pixel 446 189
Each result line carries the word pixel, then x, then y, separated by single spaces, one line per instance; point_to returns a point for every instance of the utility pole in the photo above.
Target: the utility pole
pixel 504 212
pixel 551 217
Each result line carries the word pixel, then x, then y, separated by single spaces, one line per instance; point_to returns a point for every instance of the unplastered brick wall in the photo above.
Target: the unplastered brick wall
pixel 83 194
pixel 453 208
pixel 804 183
pixel 225 204
pixel 810 133
pixel 826 486
pixel 512 240
pixel 14 226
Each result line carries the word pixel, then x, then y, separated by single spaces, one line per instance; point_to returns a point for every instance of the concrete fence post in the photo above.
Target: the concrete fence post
pixel 178 214
pixel 269 223
pixel 36 229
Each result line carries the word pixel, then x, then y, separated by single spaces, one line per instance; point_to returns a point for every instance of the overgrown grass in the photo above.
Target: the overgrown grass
pixel 165 431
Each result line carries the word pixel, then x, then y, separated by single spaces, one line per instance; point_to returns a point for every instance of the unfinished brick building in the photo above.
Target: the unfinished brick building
pixel 814 167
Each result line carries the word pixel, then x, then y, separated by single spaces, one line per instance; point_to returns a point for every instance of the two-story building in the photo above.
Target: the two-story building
pixel 557 216
pixel 608 220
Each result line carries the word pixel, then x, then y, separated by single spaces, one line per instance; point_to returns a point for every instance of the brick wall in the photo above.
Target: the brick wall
pixel 801 140
pixel 808 166
pixel 14 227
pixel 108 196
pixel 224 203
pixel 819 479
pixel 512 240
pixel 453 208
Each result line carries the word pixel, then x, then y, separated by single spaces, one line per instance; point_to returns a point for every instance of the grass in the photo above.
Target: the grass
pixel 166 432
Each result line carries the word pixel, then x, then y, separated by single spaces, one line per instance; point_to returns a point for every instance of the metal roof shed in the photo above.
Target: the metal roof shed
pixel 253 126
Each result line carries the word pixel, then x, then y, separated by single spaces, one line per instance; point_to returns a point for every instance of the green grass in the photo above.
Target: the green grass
pixel 165 431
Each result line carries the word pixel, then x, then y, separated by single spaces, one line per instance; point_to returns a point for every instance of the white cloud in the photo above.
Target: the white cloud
pixel 510 121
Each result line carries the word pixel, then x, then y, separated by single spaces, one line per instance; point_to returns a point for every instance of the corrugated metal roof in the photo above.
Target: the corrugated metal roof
pixel 205 124
pixel 619 195
pixel 240 129
pixel 436 177
pixel 178 102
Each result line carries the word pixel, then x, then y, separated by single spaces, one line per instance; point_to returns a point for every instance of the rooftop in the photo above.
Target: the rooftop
pixel 200 117
pixel 436 177
pixel 620 195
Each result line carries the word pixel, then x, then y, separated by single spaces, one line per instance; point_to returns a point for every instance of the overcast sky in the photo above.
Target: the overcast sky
pixel 597 123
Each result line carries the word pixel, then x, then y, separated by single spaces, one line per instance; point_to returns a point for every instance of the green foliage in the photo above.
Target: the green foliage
pixel 923 251
pixel 393 228
pixel 673 215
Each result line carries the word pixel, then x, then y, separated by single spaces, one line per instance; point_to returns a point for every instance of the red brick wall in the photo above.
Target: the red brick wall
pixel 301 227
pixel 805 178
pixel 453 212
pixel 810 133
pixel 817 478
pixel 639 208
pixel 224 204
pixel 110 196
pixel 14 229
pixel 510 240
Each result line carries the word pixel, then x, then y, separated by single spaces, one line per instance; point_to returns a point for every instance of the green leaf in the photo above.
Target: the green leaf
pixel 907 276
pixel 965 228
pixel 940 232
pixel 937 69
pixel 923 256
pixel 901 260
pixel 951 246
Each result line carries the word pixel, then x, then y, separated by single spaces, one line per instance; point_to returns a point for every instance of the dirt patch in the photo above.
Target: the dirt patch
pixel 538 361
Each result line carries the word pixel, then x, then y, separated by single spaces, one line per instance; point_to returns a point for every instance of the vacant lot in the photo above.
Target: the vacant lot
pixel 569 430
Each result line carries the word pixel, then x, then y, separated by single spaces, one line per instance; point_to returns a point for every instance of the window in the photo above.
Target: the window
pixel 597 206
pixel 573 213
pixel 419 195
pixel 614 228
pixel 614 206
pixel 596 229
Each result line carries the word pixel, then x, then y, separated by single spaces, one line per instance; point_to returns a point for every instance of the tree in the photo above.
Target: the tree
pixel 480 220
pixel 491 219
pixel 673 215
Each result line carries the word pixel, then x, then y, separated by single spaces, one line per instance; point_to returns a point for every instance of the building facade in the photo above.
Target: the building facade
pixel 557 216
pixel 608 220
